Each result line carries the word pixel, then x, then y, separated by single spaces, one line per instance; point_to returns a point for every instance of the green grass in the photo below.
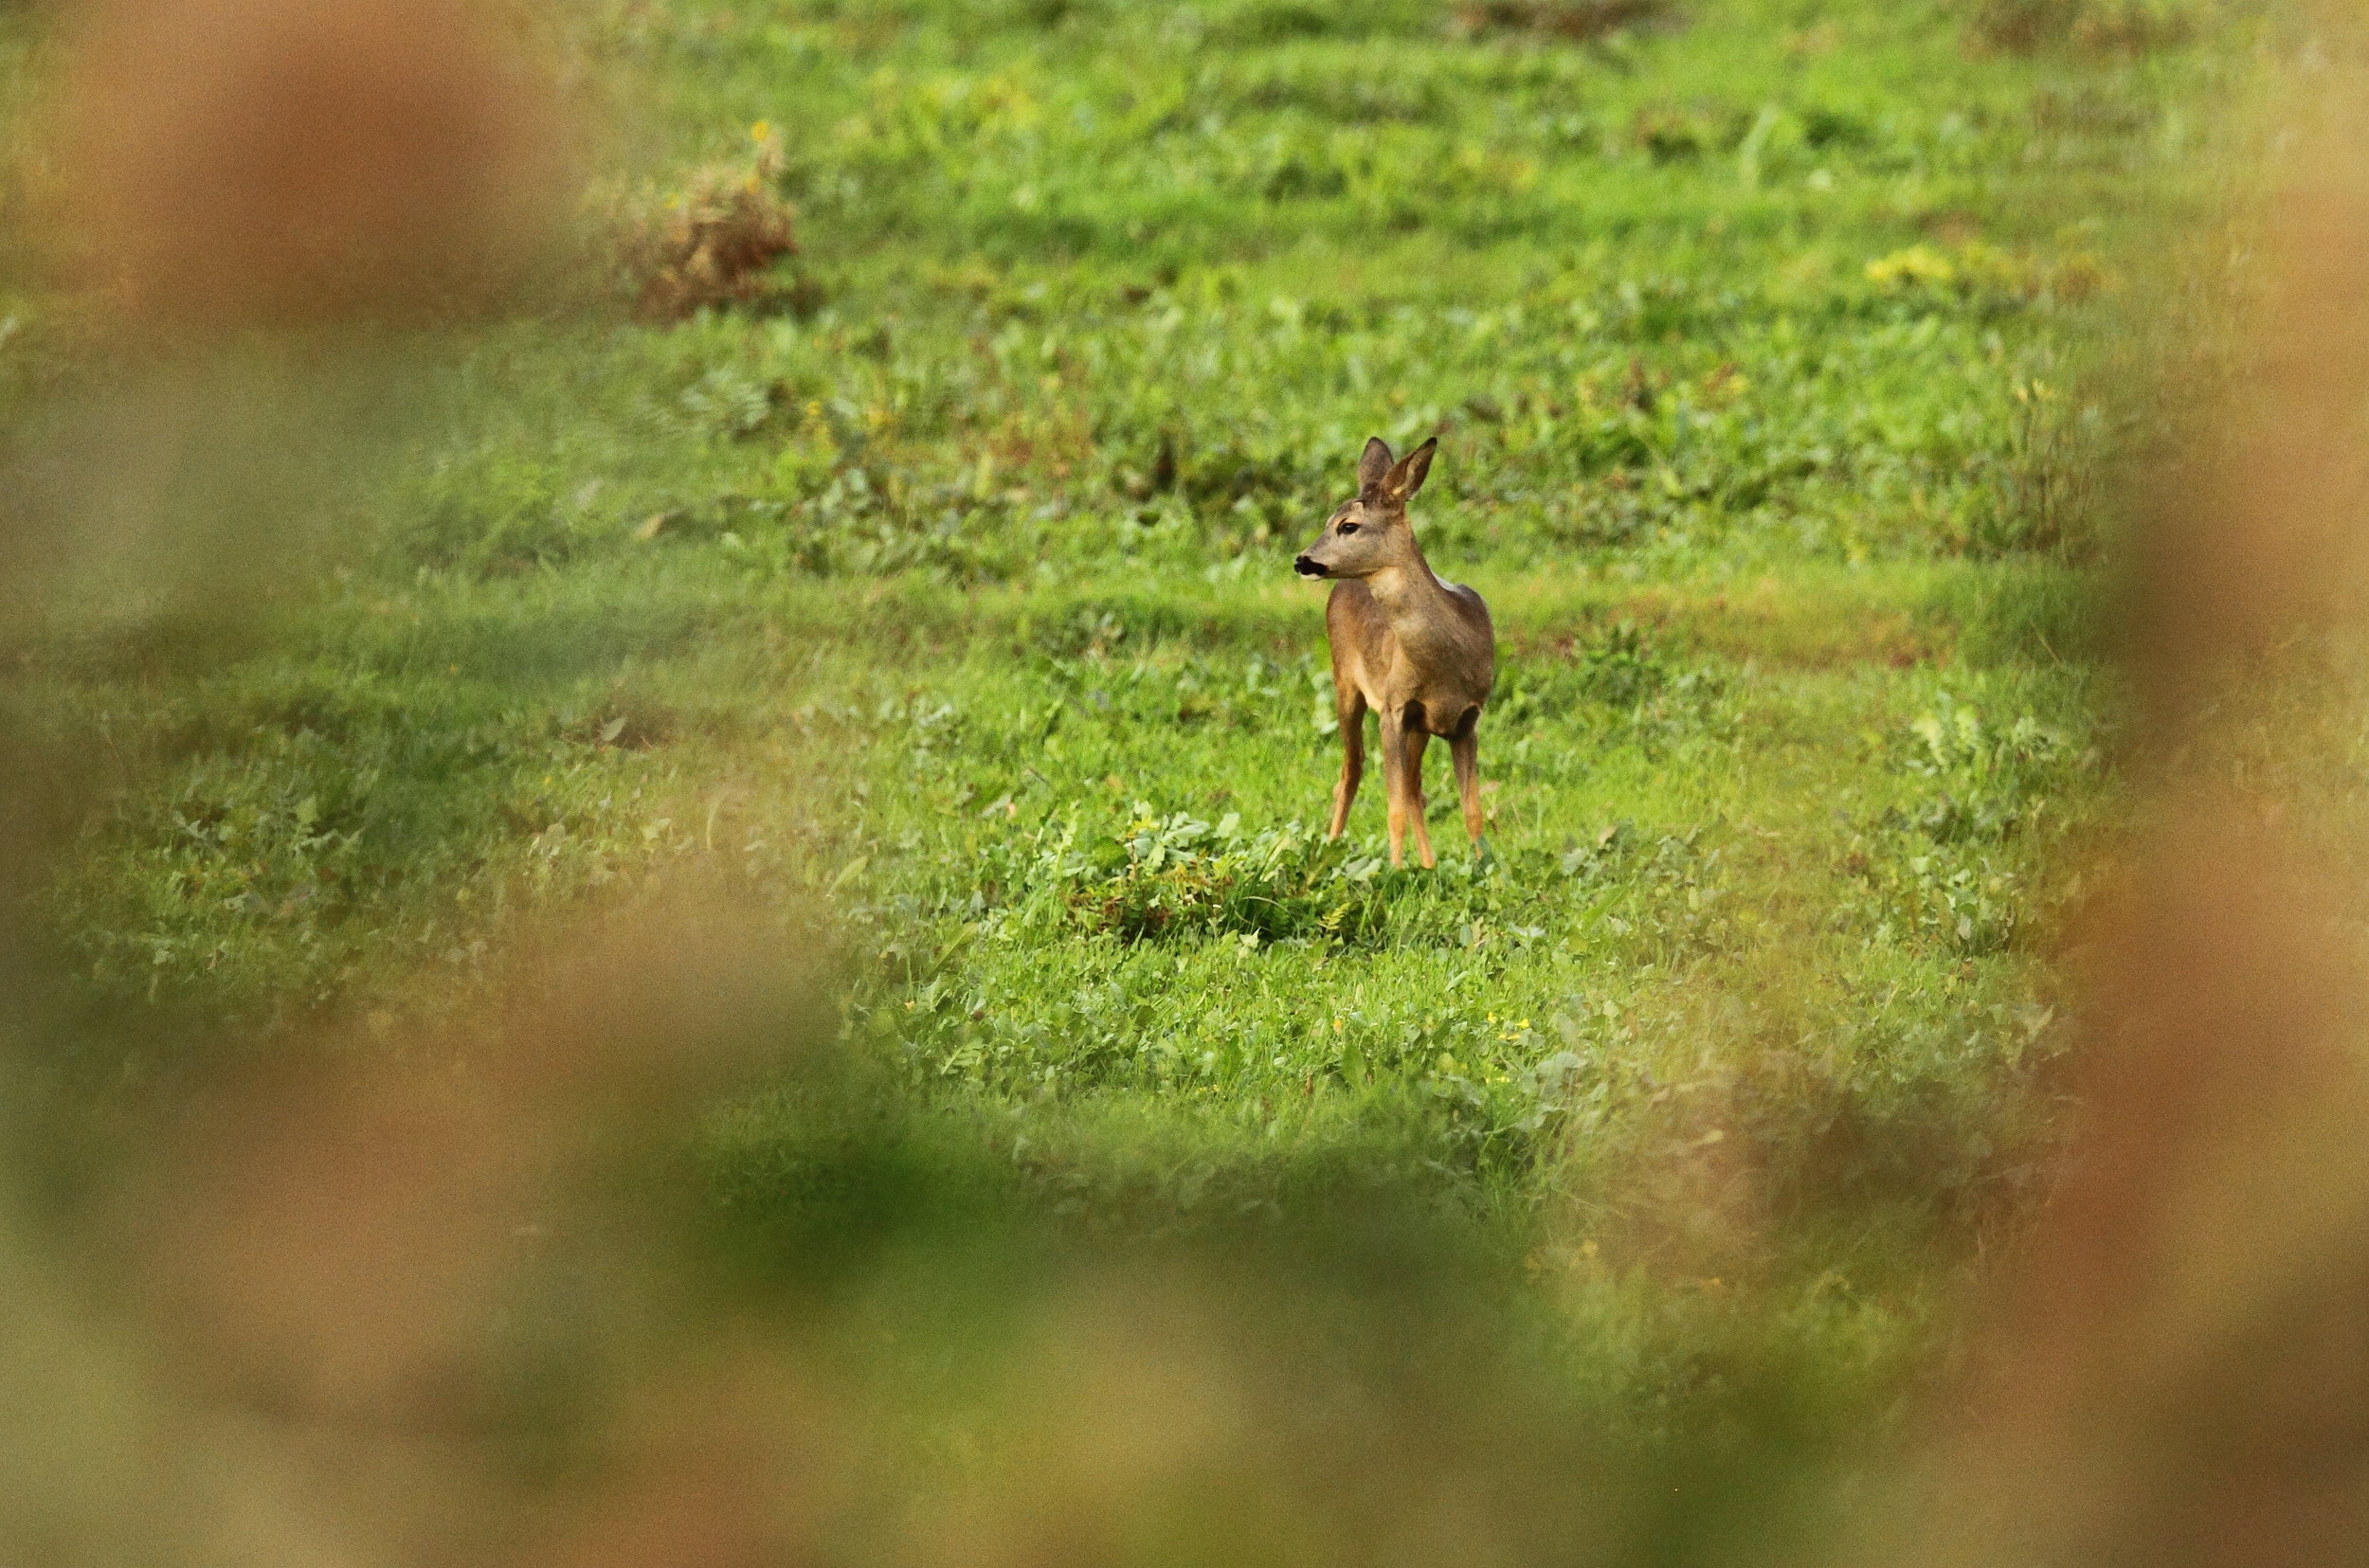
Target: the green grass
pixel 953 617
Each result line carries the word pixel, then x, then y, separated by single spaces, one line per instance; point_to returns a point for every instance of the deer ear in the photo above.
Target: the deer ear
pixel 1374 466
pixel 1407 477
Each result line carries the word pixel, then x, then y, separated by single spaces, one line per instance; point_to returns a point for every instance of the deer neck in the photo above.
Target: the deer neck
pixel 1417 605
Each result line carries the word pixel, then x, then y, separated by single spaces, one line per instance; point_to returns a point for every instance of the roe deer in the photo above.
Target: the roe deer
pixel 1420 653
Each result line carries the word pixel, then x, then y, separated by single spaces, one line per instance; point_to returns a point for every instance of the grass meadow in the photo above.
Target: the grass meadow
pixel 934 598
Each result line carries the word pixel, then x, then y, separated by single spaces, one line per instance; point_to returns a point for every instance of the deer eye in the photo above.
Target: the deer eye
pixel 1348 528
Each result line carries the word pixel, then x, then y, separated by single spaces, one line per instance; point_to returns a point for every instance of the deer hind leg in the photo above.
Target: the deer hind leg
pixel 1464 748
pixel 1350 704
pixel 1417 801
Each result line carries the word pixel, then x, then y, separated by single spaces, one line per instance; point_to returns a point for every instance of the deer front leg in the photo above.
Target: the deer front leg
pixel 1419 804
pixel 1352 709
pixel 1394 779
pixel 1464 748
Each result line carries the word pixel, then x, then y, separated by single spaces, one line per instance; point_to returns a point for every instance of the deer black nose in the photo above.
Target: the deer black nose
pixel 1306 566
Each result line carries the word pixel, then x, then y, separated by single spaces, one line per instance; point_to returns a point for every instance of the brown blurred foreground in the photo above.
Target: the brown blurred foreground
pixel 2176 1368
pixel 376 1299
pixel 231 163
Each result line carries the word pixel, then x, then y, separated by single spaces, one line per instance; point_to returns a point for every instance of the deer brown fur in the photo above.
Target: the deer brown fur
pixel 1420 653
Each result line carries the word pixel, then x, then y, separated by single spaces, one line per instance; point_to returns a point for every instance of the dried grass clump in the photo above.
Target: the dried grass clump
pixel 712 244
pixel 2132 29
pixel 1580 21
pixel 2093 26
